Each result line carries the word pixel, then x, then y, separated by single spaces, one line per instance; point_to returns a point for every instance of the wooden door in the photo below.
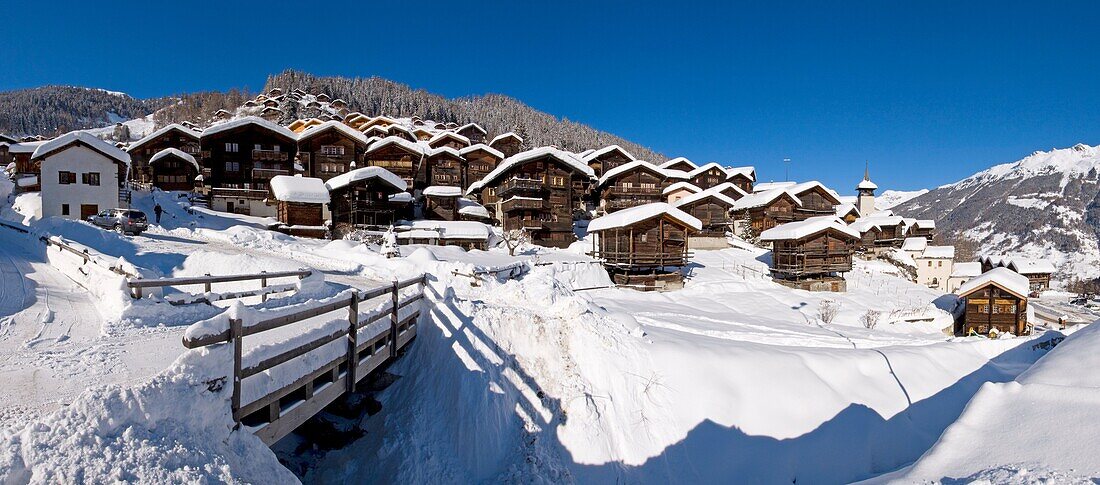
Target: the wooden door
pixel 88 210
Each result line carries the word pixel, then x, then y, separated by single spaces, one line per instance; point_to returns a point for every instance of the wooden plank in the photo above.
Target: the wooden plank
pixel 281 321
pixel 292 353
pixel 200 280
pixel 293 417
pixel 353 338
pixel 235 332
pixel 263 402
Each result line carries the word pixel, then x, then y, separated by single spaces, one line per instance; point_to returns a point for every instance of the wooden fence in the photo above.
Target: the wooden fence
pixel 136 285
pixel 310 393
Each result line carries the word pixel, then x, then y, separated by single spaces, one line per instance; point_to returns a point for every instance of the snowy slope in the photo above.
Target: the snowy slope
pixel 1045 206
pixel 891 198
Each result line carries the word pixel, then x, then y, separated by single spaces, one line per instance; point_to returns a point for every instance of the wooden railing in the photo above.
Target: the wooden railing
pixel 310 393
pixel 627 259
pixel 269 156
pixel 231 193
pixel 520 185
pixel 520 204
pixel 136 286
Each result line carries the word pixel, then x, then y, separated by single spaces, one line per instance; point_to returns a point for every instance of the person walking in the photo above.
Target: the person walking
pixel 157 210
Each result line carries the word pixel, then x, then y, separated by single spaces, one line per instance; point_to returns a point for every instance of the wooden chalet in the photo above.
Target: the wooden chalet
pixel 240 157
pixel 356 120
pixel 538 190
pixel 764 210
pixel 473 132
pixel 481 159
pixel 742 177
pixel 629 185
pixel 449 139
pixel 401 131
pixel 811 254
pixel 380 120
pixel 445 167
pixel 925 228
pixel 28 172
pixel 713 209
pixel 464 234
pixel 707 176
pixel 330 149
pixel 607 158
pixel 422 134
pixel 378 131
pixel 1037 272
pixel 399 156
pixel 677 190
pixel 441 202
pixel 729 189
pixel 995 300
pixel 680 163
pixel 142 151
pixel 299 126
pixel 510 144
pixel 815 200
pixel 644 245
pixel 879 232
pixel 173 169
pixel 847 212
pixel 367 197
pixel 300 203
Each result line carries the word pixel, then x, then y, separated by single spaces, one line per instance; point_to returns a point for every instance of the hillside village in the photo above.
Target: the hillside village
pixel 349 174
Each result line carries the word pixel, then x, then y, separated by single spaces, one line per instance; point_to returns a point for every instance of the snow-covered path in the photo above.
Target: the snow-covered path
pixel 51 347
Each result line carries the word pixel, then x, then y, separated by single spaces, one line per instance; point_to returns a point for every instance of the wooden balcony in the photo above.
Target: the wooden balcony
pixel 628 203
pixel 269 156
pixel 627 260
pixel 618 190
pixel 811 262
pixel 517 185
pixel 524 204
pixel 264 174
pixel 249 194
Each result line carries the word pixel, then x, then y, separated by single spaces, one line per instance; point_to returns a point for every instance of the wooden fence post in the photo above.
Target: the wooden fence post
pixel 263 286
pixel 207 284
pixel 393 321
pixel 353 340
pixel 235 334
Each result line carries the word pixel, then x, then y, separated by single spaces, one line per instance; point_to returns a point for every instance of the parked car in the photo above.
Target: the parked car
pixel 125 221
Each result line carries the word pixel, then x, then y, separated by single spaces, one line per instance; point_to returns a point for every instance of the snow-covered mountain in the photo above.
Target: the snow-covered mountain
pixel 52 110
pixel 891 198
pixel 1046 205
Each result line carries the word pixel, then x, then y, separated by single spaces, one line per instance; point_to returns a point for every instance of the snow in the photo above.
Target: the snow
pixel 401 142
pixel 250 120
pixel 925 224
pixel 474 126
pixel 360 174
pixel 800 229
pixel 96 144
pixel 634 215
pixel 866 185
pixel 25 147
pixel 470 208
pixel 1070 163
pixel 346 130
pixel 481 147
pixel 176 153
pixel 1002 277
pixel 451 135
pixel 916 244
pixel 293 188
pixel 594 154
pixel 631 166
pixel 158 133
pixel 889 199
pixel 761 199
pixel 804 187
pixel 677 160
pixel 449 229
pixel 1026 266
pixel 401 197
pixel 769 186
pixel 505 136
pixel 939 252
pixel 966 269
pixel 504 166
pixel 709 193
pixel 442 191
pixel 682 185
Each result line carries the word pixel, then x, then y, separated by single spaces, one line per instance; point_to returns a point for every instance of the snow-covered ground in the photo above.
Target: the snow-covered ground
pixel 888 199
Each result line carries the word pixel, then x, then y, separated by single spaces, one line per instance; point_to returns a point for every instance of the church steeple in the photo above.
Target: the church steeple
pixel 866 190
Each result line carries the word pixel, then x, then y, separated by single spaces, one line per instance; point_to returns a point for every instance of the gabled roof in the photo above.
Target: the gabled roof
pixel 306 190
pixel 345 179
pixel 918 244
pixel 938 252
pixel 677 160
pixel 706 194
pixel 761 199
pixel 482 147
pixel 1002 278
pixel 809 227
pixel 704 168
pixel 556 153
pixel 251 120
pixel 175 152
pixel 866 185
pixel 25 146
pixel 161 132
pixel 925 224
pixel 474 126
pixel 724 186
pixel 346 130
pixel 442 191
pixel 1027 266
pixel 396 140
pixel 804 187
pixel 7 139
pixel 847 208
pixel 634 215
pixel 681 185
pixel 449 134
pixel 82 138
pixel 748 171
pixel 629 167
pixel 435 152
pixel 966 270
pixel 503 136
pixel 606 150
pixel 766 186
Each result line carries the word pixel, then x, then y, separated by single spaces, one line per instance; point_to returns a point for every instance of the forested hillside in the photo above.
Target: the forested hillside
pixel 52 110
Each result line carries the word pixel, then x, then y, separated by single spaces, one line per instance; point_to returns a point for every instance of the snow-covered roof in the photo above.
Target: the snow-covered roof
pixel 482 147
pixel 800 229
pixel 396 140
pixel 443 150
pixel 25 146
pixel 474 126
pixel 348 131
pixel 879 221
pixel 766 186
pixel 846 208
pixel 704 168
pixel 918 244
pixel 161 132
pixel 629 166
pixel 88 139
pixel 724 186
pixel 470 208
pixel 250 120
pixel 293 188
pixel 443 191
pixel 634 215
pixel 1026 266
pixel 761 199
pixel 683 185
pixel 925 224
pixel 747 171
pixel 939 252
pixel 709 193
pixel 506 135
pixel 345 179
pixel 966 270
pixel 604 151
pixel 804 187
pixel 508 163
pixel 401 197
pixel 676 160
pixel 449 134
pixel 866 185
pixel 453 229
pixel 175 152
pixel 1002 277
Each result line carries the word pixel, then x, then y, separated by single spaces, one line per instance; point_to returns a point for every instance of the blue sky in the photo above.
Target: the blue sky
pixel 926 92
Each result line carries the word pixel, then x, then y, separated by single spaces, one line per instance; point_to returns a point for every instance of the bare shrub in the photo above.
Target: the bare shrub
pixel 870 319
pixel 827 310
pixel 514 239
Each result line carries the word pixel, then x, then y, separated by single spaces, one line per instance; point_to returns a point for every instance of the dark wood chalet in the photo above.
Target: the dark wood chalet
pixel 680 163
pixel 540 191
pixel 712 209
pixel 449 139
pixel 509 144
pixel 28 172
pixel 880 232
pixel 630 185
pixel 401 131
pixel 441 202
pixel 172 169
pixel 995 300
pixel 729 189
pixel 366 197
pixel 240 157
pixel 765 210
pixel 607 158
pixel 1036 271
pixel 481 159
pixel 708 176
pixel 330 149
pixel 742 177
pixel 473 132
pixel 399 156
pixel 445 167
pixel 815 200
pixel 811 254
pixel 172 136
pixel 300 203
pixel 925 228
pixel 644 245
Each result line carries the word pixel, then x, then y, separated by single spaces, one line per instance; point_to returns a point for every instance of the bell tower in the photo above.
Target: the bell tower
pixel 866 190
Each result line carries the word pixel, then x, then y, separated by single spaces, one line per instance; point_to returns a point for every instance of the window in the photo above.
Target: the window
pixel 231 148
pixel 90 178
pixel 557 181
pixel 232 166
pixel 65 178
pixel 257 147
pixel 939 264
pixel 332 150
pixel 64 209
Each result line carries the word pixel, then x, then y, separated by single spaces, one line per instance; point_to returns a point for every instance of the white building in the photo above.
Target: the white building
pixel 866 190
pixel 934 267
pixel 81 175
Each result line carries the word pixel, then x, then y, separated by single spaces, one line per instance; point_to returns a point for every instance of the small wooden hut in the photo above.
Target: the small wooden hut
pixel 300 203
pixel 811 254
pixel 995 300
pixel 644 245
pixel 1036 271
pixel 368 196
pixel 172 169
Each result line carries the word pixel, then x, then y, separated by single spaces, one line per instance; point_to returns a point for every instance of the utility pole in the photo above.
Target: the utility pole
pixel 787 173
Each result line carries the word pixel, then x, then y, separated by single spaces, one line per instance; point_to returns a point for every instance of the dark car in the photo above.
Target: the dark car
pixel 125 221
